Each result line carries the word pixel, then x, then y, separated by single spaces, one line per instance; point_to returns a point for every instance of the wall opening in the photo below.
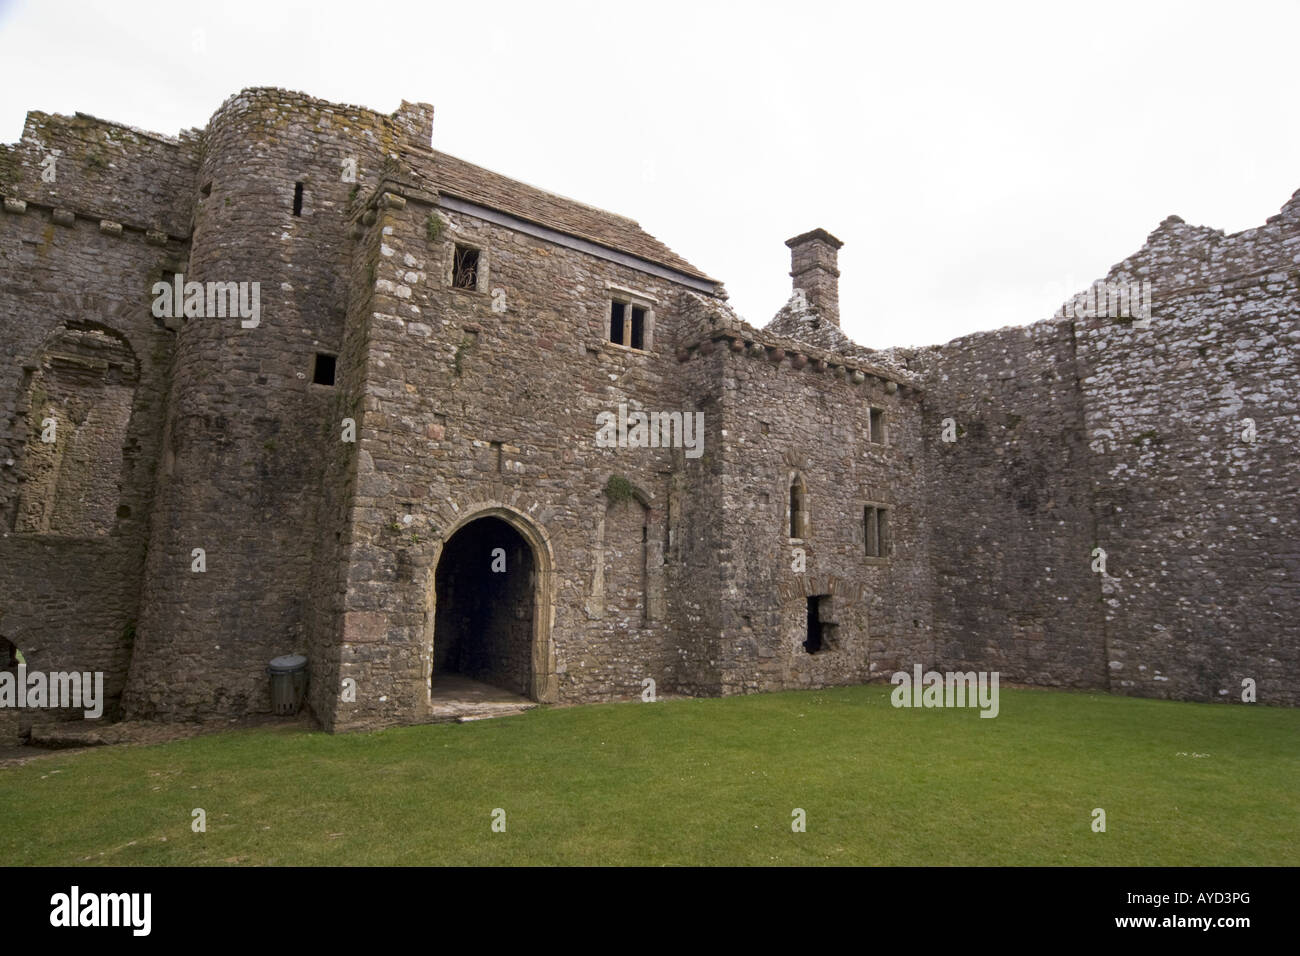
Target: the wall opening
pixel 15 723
pixel 297 199
pixel 617 311
pixel 798 508
pixel 464 270
pixel 485 595
pixel 629 325
pixel 878 426
pixel 875 531
pixel 79 406
pixel 322 372
pixel 820 626
pixel 638 328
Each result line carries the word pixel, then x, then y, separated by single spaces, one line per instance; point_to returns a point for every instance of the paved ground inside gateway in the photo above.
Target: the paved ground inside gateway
pixel 457 697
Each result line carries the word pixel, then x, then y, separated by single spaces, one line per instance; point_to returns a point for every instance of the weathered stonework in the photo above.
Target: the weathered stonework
pixel 436 344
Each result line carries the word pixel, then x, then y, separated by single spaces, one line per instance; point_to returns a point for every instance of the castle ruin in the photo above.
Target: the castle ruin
pixel 364 427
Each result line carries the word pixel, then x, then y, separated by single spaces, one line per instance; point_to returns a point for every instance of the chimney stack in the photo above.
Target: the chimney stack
pixel 814 268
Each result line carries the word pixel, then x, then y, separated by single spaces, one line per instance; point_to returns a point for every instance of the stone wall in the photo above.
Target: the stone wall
pixel 323 509
pixel 1197 508
pixel 80 249
pixel 1090 432
pixel 792 414
pixel 248 429
pixel 469 409
pixel 1009 498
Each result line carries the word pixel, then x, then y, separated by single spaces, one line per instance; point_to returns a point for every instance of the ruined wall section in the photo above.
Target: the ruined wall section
pixel 248 430
pixel 1010 505
pixel 1200 518
pixel 80 250
pixel 1096 432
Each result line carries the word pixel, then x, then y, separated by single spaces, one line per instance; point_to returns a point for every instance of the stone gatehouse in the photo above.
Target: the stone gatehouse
pixel 392 465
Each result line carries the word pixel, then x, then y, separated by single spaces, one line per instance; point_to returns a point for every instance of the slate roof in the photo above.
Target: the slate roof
pixel 455 177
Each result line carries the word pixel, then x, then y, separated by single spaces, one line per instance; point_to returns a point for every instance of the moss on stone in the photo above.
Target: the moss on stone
pixel 618 490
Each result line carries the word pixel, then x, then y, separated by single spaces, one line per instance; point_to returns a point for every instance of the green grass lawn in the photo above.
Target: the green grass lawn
pixel 693 782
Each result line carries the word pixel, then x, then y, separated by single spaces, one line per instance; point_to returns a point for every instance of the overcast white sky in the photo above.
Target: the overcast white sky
pixel 980 161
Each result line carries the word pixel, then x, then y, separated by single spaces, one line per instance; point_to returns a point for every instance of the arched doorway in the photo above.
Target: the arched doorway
pixel 485 620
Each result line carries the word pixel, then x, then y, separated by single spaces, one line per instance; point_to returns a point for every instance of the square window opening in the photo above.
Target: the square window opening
pixel 322 372
pixel 464 273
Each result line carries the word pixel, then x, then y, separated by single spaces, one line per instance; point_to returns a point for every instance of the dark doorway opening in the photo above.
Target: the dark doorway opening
pixel 483 624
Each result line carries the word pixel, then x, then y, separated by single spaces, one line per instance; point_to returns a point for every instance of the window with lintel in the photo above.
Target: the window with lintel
pixel 629 324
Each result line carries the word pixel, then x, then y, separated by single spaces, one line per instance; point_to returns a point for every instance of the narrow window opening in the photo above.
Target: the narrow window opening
pixel 813 642
pixel 875 530
pixel 323 369
pixel 617 311
pixel 638 327
pixel 465 268
pixel 878 426
pixel 798 509
pixel 297 199
pixel 206 189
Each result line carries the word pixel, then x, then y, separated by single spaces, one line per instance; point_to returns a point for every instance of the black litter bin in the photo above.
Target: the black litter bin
pixel 288 684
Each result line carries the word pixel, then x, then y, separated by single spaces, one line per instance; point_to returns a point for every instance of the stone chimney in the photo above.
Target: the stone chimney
pixel 813 266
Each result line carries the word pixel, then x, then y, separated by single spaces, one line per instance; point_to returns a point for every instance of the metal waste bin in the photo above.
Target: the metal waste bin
pixel 288 684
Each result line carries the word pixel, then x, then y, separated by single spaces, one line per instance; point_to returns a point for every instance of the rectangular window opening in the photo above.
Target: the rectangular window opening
pixel 878 426
pixel 617 311
pixel 323 369
pixel 814 639
pixel 638 328
pixel 875 531
pixel 464 273
pixel 297 199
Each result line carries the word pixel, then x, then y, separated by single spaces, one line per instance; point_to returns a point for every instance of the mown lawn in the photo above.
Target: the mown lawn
pixel 694 782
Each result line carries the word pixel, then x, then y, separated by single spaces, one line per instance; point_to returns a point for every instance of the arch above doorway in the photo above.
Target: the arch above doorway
pixel 541 684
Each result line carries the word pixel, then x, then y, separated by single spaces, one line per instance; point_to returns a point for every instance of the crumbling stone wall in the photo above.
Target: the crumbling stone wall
pixel 81 241
pixel 1094 432
pixel 1197 508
